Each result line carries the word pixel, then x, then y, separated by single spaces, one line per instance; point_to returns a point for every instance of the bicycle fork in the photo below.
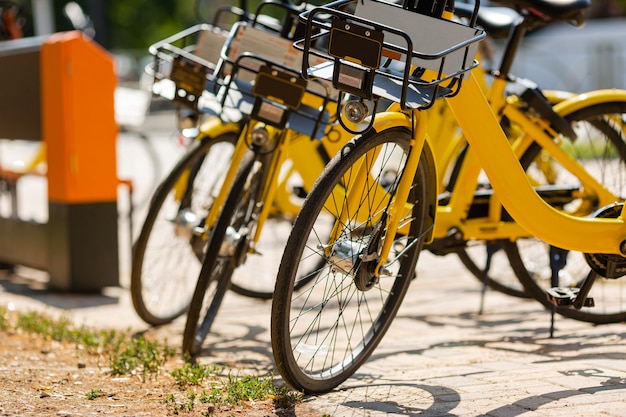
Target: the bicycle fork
pixel 389 223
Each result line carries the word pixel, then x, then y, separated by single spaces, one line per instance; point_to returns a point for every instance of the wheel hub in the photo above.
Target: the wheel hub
pixel 366 277
pixel 235 245
pixel 185 223
pixel 357 258
pixel 344 256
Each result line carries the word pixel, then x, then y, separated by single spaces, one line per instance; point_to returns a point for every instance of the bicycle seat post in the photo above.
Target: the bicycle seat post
pixel 513 44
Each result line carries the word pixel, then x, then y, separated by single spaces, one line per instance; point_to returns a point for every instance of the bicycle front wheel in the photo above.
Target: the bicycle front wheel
pixel 601 149
pixel 323 333
pixel 167 254
pixel 227 249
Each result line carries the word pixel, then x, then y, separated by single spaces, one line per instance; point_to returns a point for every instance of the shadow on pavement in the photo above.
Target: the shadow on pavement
pixel 36 289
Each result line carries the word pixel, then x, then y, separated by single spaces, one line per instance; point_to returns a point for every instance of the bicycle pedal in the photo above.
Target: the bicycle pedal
pixel 565 296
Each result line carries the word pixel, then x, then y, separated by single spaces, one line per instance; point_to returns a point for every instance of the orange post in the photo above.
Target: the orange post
pixel 78 120
pixel 78 126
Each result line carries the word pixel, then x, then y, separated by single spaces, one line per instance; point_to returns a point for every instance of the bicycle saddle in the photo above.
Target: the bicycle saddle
pixel 549 10
pixel 497 21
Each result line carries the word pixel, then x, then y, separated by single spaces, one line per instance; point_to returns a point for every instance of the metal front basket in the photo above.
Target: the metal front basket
pixel 231 74
pixel 260 76
pixel 185 62
pixel 381 50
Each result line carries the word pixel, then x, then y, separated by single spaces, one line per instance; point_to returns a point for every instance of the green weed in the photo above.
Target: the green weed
pixel 146 358
pixel 139 356
pixel 234 391
pixel 177 406
pixel 92 394
pixel 194 374
pixel 63 330
pixel 4 320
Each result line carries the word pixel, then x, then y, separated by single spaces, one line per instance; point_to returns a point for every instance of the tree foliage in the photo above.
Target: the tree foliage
pixel 135 24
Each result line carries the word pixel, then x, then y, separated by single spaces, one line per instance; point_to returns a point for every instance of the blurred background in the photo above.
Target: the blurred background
pixel 124 27
pixel 558 56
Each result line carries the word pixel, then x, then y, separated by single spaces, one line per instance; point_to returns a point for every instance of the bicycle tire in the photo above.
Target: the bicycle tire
pixel 166 255
pixel 342 351
pixel 222 256
pixel 530 257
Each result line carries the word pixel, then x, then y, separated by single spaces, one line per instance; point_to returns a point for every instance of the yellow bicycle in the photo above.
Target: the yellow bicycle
pixel 377 203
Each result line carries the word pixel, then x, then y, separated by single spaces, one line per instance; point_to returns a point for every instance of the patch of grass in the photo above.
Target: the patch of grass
pixel 286 398
pixel 134 356
pixel 237 390
pixel 248 388
pixel 63 330
pixel 176 406
pixel 92 394
pixel 194 374
pixel 232 391
pixel 139 356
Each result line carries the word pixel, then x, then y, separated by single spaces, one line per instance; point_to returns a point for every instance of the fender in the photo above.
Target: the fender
pixel 580 101
pixel 433 198
pixel 214 127
pixel 388 119
pixel 557 96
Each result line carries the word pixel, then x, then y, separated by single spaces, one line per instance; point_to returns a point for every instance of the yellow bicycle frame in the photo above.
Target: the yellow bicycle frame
pixel 514 189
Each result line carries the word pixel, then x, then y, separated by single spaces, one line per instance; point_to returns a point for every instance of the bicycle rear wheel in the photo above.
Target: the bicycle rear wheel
pixel 322 334
pixel 601 149
pixel 167 254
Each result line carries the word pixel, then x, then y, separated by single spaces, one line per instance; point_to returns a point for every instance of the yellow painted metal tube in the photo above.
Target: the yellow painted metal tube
pixel 514 189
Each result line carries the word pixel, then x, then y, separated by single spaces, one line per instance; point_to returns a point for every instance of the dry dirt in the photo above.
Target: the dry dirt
pixel 40 377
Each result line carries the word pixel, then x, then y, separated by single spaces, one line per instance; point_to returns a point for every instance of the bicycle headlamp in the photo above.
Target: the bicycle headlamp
pixel 355 111
pixel 259 136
